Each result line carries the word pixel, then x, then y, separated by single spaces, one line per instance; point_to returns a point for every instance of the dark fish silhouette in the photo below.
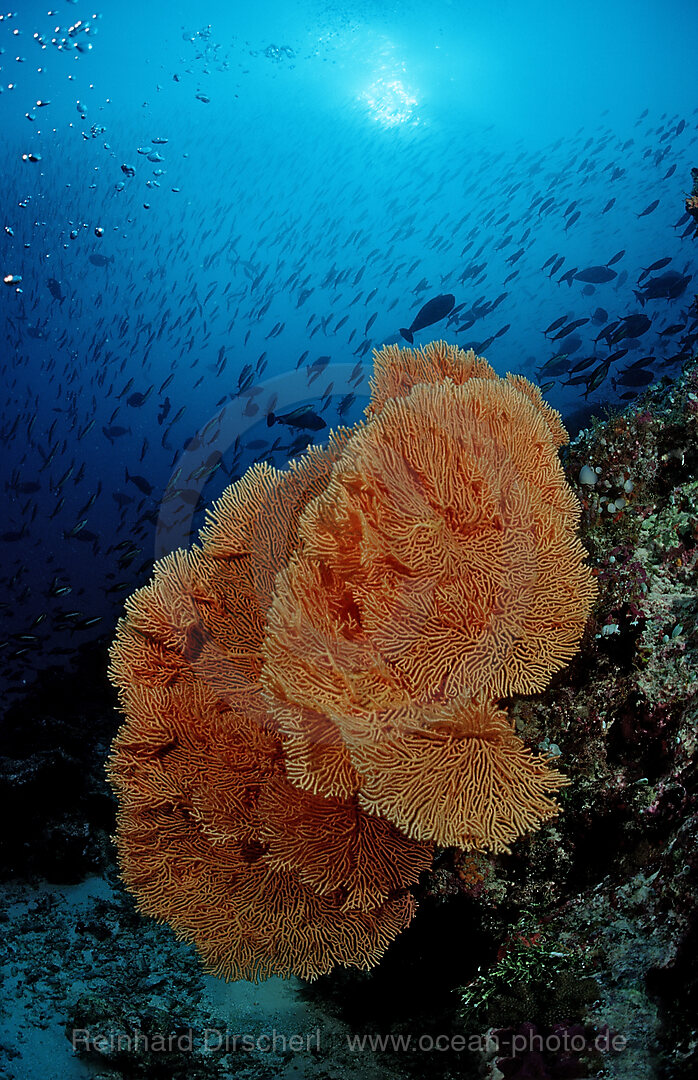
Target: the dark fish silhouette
pixel 556 325
pixel 569 276
pixel 616 355
pixel 13 535
pixel 665 287
pixel 345 404
pixel 137 399
pixel 165 407
pixel 143 485
pixel 597 377
pixel 596 275
pixel 556 265
pixel 115 431
pixel 301 418
pixel 648 209
pixel 658 265
pixel 556 365
pixel 569 329
pixel 634 326
pixel 636 377
pixel 101 260
pixel 582 365
pixel 433 311
pixel 54 287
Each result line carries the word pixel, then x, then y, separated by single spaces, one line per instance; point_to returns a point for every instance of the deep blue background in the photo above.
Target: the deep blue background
pixel 348 152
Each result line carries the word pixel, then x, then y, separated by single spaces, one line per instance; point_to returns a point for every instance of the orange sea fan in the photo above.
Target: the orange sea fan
pixel 315 755
pixel 266 923
pixel 440 562
pixel 551 416
pixel 456 774
pixel 317 666
pixel 336 848
pixel 396 370
pixel 187 840
pixel 200 843
pixel 173 748
pixel 153 642
pixel 277 794
pixel 442 557
pixel 202 616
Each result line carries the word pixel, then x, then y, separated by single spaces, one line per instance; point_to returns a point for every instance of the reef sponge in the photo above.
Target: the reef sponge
pixel 310 694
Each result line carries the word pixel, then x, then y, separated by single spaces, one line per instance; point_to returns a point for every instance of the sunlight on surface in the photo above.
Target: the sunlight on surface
pixel 390 103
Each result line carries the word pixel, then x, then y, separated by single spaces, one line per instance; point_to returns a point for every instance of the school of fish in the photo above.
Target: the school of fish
pixel 160 335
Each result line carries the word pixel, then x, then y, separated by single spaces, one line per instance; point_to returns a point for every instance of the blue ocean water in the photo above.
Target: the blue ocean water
pixel 212 213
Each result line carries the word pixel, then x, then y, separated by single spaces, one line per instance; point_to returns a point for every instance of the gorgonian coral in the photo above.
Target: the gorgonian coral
pixel 440 565
pixel 311 694
pixel 211 837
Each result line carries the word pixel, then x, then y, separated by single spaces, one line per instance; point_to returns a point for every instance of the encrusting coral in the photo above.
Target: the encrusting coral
pixel 310 694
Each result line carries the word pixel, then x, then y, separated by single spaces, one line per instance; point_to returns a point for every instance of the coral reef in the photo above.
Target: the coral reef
pixel 613 882
pixel 692 200
pixel 321 674
pixel 532 976
pixel 610 884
